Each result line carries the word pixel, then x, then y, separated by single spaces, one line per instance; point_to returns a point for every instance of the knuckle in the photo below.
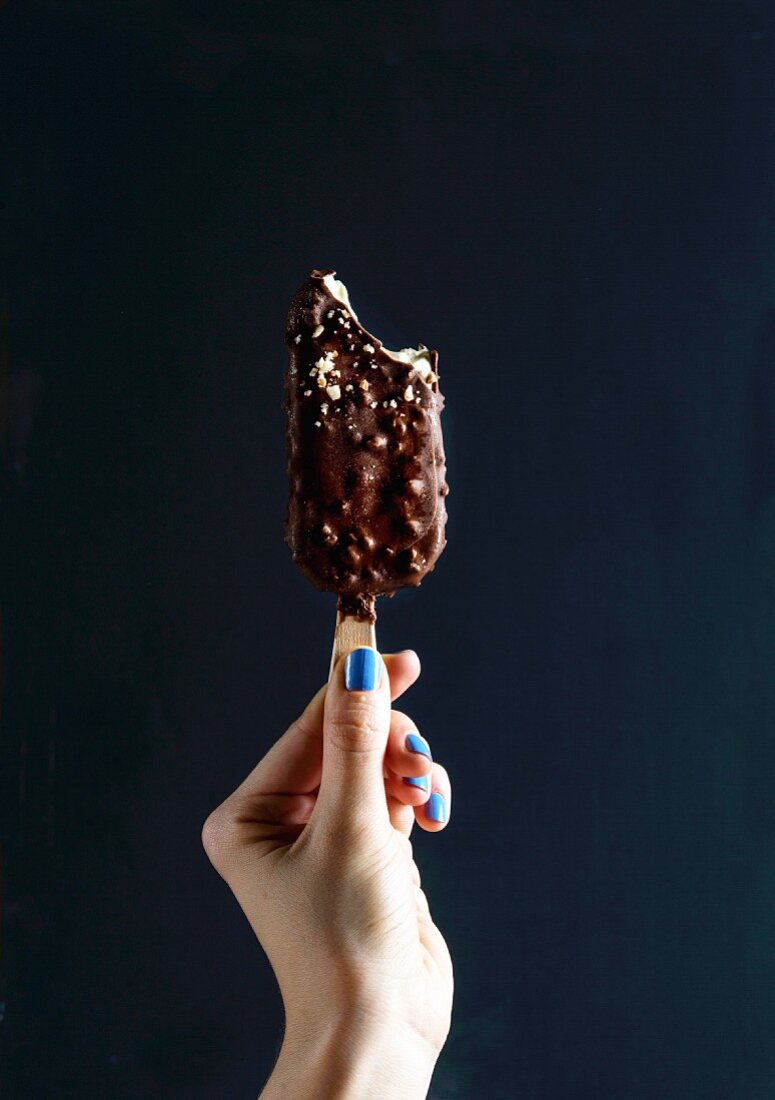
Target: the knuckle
pixel 219 836
pixel 356 731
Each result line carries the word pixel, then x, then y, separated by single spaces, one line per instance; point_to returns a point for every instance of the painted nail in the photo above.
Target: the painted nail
pixel 436 808
pixel 362 670
pixel 415 743
pixel 421 781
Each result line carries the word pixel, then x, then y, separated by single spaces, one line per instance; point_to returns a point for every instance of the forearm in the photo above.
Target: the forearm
pixel 351 1062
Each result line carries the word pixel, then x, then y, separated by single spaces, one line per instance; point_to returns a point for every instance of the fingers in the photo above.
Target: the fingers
pixel 408 752
pixel 433 815
pixel 279 796
pixel 293 764
pixel 430 798
pixel 412 779
pixel 356 723
pixel 403 669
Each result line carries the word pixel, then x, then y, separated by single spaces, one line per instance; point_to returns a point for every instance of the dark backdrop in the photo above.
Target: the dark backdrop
pixel 574 203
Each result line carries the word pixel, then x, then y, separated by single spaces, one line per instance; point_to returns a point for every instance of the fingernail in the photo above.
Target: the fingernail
pixel 421 781
pixel 362 669
pixel 436 808
pixel 415 743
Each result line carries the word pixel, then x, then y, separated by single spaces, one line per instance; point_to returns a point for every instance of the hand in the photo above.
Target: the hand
pixel 315 846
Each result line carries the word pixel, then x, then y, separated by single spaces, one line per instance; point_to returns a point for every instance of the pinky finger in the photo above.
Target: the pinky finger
pixel 433 816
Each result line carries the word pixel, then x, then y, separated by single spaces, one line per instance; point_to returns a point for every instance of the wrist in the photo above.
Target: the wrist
pixel 351 1056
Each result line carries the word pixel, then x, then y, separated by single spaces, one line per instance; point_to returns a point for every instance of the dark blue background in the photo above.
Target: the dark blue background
pixel 574 203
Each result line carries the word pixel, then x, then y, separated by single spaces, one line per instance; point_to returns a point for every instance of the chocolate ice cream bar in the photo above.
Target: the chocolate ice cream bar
pixel 366 465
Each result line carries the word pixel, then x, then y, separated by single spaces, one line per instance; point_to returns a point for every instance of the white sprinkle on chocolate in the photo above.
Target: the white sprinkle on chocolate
pixel 373 404
pixel 297 339
pixel 364 384
pixel 369 348
pixel 317 423
pixel 330 314
pixel 408 393
pixel 318 332
pixel 333 392
pixel 326 362
pixel 348 387
pixel 308 393
pixel 393 403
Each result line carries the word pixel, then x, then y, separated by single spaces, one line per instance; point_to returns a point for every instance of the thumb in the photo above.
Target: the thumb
pixel 356 723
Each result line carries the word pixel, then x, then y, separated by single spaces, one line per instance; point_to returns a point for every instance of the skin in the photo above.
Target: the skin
pixel 315 847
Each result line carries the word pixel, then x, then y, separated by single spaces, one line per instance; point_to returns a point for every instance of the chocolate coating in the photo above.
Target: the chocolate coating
pixel 366 466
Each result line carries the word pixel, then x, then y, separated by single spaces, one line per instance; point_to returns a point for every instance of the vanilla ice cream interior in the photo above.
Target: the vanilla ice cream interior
pixel 416 357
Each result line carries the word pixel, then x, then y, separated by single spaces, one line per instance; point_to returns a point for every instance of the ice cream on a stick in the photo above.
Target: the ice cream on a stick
pixel 366 465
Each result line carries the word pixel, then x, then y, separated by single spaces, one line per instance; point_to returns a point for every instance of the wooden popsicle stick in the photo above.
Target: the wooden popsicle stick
pixel 351 633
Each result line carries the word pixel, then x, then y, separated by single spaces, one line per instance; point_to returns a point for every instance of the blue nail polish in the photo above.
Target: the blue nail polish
pixel 436 808
pixel 415 743
pixel 421 781
pixel 362 669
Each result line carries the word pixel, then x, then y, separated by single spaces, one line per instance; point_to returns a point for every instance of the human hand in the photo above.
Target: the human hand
pixel 315 847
